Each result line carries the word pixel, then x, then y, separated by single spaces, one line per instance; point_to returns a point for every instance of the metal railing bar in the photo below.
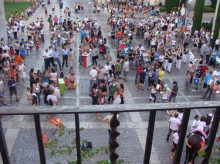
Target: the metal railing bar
pixel 78 146
pixel 3 146
pixel 212 135
pixel 39 139
pixel 27 110
pixel 149 139
pixel 182 136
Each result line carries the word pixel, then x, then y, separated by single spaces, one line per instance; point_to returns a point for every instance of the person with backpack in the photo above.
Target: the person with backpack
pixel 52 99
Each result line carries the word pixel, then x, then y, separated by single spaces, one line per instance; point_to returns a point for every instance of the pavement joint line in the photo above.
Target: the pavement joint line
pixel 77 74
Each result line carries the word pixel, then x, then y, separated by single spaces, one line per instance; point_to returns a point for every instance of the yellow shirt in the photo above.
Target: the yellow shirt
pixel 160 75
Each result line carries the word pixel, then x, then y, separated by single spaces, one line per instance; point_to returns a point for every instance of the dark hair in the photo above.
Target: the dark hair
pixel 196 116
pixel 175 82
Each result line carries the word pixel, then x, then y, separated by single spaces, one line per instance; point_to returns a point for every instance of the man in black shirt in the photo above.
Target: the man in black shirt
pixel 12 88
pixel 173 91
pixel 61 5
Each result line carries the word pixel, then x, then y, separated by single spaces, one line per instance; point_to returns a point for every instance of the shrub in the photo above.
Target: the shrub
pixel 207 26
pixel 208 9
pixel 198 13
pixel 163 9
pixel 169 4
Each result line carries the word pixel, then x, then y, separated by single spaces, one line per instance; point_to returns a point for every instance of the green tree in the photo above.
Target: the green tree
pixel 169 4
pixel 214 2
pixel 216 28
pixel 198 13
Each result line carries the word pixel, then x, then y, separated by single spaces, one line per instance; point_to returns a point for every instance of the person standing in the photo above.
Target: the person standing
pixel 209 89
pixel 117 69
pixel 46 59
pixel 125 70
pixel 174 92
pixel 174 142
pixel 65 53
pixel 174 125
pixel 56 57
pixel 93 76
pixel 12 89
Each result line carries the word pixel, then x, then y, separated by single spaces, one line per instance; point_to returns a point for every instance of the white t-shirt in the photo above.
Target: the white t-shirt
pixel 93 74
pixel 180 116
pixel 46 54
pixel 175 138
pixel 201 125
pixel 195 123
pixel 53 76
pixel 174 123
pixel 53 98
pixel 107 68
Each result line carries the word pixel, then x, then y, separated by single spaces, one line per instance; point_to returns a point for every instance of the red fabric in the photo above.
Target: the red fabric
pixel 139 70
pixel 119 35
pixel 204 69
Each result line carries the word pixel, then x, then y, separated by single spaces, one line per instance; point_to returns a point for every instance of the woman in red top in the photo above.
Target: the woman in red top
pixel 11 52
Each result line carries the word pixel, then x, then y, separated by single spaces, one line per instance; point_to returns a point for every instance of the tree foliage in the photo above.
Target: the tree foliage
pixel 216 28
pixel 169 4
pixel 198 13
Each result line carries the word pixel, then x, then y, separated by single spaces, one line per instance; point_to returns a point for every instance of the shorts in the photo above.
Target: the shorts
pixel 118 72
pixel 205 85
pixel 142 81
pixel 125 73
pixel 174 147
pixel 13 91
pixel 195 86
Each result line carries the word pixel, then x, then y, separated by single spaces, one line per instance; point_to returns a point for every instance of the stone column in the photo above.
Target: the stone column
pixel 3 31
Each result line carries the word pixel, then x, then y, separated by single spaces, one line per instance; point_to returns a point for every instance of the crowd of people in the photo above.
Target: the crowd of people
pixel 166 48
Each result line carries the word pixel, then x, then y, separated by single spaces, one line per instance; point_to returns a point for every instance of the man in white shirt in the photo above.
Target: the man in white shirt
pixel 107 68
pixel 209 89
pixel 93 75
pixel 15 31
pixel 174 125
pixel 125 69
pixel 46 59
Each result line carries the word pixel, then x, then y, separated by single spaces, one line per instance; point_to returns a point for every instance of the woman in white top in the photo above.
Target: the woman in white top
pixel 164 96
pixel 174 142
pixel 21 72
pixel 153 93
pixel 117 96
pixel 53 75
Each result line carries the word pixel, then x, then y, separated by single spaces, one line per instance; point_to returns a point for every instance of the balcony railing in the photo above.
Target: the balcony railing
pixel 36 111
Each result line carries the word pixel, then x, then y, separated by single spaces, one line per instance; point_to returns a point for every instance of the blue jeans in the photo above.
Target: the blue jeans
pixel 58 41
pixel 172 96
pixel 59 62
pixel 99 83
pixel 91 84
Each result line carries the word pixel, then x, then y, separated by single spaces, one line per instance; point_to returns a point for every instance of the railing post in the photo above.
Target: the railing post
pixel 149 139
pixel 3 146
pixel 39 139
pixel 212 136
pixel 183 130
pixel 78 138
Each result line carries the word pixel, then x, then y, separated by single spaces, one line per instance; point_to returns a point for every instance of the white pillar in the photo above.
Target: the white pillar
pixel 3 31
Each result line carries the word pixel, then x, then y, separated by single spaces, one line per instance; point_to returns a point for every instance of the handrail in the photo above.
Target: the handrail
pixel 30 110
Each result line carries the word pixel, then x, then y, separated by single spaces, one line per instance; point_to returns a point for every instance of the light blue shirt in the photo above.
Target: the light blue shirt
pixel 65 52
pixel 55 54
